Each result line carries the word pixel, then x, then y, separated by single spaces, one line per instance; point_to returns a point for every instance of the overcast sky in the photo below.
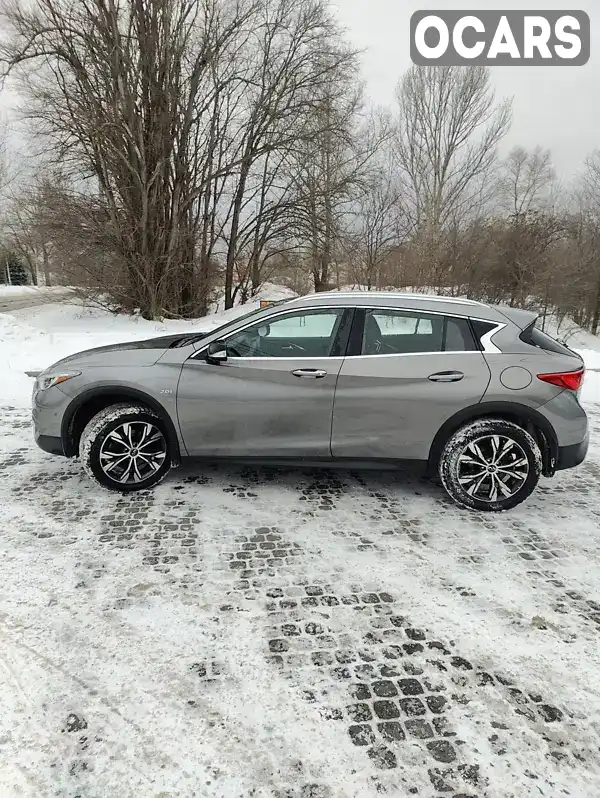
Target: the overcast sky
pixel 555 107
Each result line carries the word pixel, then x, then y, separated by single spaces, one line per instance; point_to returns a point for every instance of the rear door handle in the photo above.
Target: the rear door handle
pixel 313 374
pixel 447 376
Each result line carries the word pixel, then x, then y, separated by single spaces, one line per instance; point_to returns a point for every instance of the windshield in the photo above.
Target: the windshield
pixel 188 339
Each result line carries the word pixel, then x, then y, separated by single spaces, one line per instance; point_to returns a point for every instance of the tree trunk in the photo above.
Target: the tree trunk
pixel 46 265
pixel 596 313
pixel 233 236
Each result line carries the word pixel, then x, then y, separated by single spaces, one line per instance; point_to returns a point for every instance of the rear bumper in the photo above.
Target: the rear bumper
pixel 571 456
pixel 50 444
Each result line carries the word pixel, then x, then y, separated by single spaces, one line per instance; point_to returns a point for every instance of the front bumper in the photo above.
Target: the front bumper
pixel 571 456
pixel 49 444
pixel 47 413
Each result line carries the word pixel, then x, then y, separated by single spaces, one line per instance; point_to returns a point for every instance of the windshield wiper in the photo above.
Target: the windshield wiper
pixel 187 339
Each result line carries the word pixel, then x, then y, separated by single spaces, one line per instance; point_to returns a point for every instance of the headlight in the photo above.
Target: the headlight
pixel 45 381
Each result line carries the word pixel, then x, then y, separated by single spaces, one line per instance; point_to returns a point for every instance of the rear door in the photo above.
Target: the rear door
pixel 408 373
pixel 273 397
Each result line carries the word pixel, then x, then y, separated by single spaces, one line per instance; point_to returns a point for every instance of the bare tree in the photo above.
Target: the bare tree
pixel 331 171
pixel 526 181
pixel 588 237
pixel 448 131
pixel 167 105
pixel 379 226
pixel 288 70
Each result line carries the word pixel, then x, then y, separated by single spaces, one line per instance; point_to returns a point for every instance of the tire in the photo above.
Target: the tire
pixel 104 457
pixel 468 469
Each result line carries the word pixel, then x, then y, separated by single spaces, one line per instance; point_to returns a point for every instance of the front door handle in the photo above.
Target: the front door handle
pixel 313 374
pixel 447 376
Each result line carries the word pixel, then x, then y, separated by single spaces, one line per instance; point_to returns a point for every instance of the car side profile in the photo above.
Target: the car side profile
pixel 476 394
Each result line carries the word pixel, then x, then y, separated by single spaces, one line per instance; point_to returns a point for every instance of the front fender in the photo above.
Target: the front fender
pixel 120 393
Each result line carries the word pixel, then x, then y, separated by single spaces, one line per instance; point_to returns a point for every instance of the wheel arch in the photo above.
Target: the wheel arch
pixel 90 402
pixel 526 417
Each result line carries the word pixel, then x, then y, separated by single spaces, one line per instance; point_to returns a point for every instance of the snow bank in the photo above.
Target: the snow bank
pixel 591 385
pixel 24 290
pixel 32 339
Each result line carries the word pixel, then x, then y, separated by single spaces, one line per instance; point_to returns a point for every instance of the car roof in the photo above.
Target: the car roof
pixel 454 306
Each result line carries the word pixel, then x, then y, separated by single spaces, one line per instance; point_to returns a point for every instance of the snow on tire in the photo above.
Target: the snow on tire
pixel 490 465
pixel 147 466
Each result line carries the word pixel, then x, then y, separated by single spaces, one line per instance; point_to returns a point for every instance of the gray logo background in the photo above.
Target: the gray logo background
pixel 491 19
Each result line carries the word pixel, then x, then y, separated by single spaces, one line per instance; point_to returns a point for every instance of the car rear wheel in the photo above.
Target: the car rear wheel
pixel 490 465
pixel 125 447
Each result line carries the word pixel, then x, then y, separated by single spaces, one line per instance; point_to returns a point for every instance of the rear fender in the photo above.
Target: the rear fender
pixel 524 416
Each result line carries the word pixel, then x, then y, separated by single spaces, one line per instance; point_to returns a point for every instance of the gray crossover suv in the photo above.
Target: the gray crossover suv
pixel 477 394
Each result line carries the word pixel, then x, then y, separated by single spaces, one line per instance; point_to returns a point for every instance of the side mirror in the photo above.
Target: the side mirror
pixel 217 352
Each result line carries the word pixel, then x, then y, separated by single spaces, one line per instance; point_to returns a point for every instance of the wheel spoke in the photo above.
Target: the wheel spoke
pixel 117 437
pixel 504 489
pixel 507 447
pixel 150 463
pixel 474 489
pixel 126 474
pixel 156 437
pixel 128 432
pixel 107 455
pixel 464 458
pixel 478 453
pixel 520 463
pixel 513 472
pixel 137 477
pixel 468 478
pixel 146 430
pixel 495 447
pixel 111 466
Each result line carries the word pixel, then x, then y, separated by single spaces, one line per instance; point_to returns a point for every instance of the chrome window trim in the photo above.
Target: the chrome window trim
pixel 416 354
pixel 488 346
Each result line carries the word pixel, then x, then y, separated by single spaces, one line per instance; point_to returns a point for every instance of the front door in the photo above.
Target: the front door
pixel 273 396
pixel 412 373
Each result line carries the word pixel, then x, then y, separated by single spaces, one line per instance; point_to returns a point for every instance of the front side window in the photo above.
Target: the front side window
pixel 311 333
pixel 398 332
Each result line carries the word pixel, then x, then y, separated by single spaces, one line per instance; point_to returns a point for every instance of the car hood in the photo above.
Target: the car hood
pixel 138 353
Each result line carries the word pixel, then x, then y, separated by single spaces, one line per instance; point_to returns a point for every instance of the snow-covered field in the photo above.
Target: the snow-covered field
pixel 261 632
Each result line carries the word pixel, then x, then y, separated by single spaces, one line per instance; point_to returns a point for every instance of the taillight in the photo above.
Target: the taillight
pixel 573 380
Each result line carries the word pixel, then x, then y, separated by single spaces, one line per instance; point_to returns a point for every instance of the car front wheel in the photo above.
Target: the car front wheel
pixel 125 447
pixel 490 465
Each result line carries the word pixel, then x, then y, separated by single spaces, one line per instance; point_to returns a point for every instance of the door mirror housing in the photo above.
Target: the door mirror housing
pixel 217 352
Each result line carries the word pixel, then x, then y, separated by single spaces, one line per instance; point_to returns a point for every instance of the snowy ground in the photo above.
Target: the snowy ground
pixel 251 632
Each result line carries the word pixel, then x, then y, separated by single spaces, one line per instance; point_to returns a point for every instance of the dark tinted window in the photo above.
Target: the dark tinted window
pixel 459 337
pixel 480 328
pixel 399 332
pixel 535 337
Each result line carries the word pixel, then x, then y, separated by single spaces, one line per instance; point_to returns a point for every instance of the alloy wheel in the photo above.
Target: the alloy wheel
pixel 133 452
pixel 492 468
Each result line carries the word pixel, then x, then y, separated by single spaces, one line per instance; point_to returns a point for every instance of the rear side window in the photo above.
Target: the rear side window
pixel 399 332
pixel 459 337
pixel 533 336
